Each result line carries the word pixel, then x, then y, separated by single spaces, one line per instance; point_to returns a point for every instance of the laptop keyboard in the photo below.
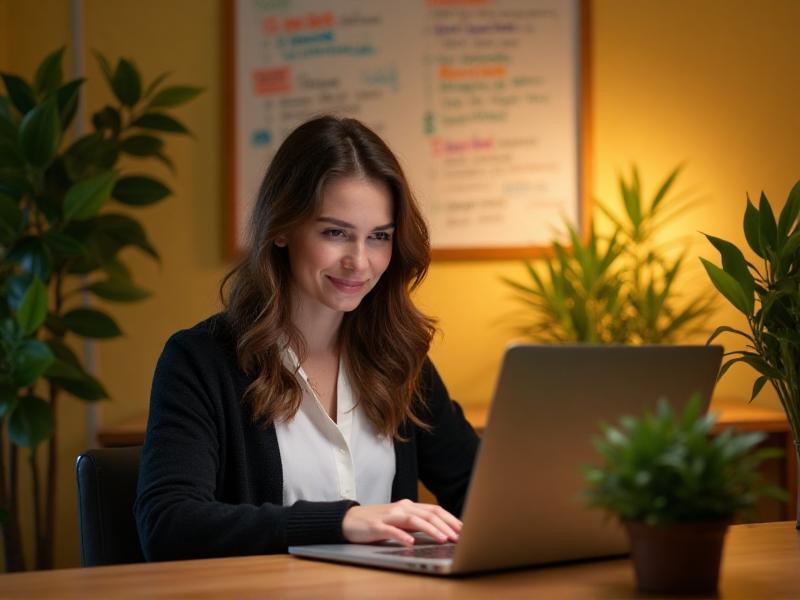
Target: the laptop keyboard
pixel 443 551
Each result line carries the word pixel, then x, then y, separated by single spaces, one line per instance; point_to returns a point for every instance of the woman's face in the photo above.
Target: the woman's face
pixel 338 256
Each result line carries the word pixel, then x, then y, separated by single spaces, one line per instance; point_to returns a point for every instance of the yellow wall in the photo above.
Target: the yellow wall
pixel 715 84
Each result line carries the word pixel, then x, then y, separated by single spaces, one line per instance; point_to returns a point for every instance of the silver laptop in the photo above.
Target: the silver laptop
pixel 524 505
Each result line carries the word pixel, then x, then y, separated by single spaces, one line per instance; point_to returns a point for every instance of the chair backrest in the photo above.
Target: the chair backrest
pixel 106 492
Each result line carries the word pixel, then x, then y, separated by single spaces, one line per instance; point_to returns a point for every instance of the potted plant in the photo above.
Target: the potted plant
pixel 676 488
pixel 65 204
pixel 769 298
pixel 617 288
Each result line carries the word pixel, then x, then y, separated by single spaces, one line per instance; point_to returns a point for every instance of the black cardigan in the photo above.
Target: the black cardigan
pixel 210 479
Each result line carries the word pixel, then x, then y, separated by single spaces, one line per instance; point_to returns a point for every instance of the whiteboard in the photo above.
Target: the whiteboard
pixel 479 99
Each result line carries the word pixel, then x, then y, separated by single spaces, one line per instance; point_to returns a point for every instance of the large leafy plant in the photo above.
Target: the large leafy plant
pixel 617 288
pixel 664 468
pixel 62 233
pixel 768 295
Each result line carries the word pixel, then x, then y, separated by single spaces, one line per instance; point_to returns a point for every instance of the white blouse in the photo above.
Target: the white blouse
pixel 324 460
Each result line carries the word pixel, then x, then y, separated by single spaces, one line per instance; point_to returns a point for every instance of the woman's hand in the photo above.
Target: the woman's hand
pixel 376 522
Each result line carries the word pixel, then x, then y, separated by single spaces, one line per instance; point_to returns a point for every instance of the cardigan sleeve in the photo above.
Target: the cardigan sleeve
pixel 446 452
pixel 179 510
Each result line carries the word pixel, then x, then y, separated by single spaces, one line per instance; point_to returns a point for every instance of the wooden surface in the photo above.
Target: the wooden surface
pixel 760 561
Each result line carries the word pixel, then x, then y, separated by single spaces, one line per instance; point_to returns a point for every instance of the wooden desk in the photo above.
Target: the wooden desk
pixel 760 561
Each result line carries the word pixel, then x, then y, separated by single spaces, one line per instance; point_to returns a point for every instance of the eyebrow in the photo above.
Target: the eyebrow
pixel 347 225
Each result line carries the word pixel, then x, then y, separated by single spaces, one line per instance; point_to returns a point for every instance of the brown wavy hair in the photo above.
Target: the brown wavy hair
pixel 385 340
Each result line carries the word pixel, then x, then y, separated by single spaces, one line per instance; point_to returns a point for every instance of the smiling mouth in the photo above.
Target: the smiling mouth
pixel 347 285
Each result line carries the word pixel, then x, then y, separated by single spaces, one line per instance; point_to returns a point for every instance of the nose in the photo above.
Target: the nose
pixel 356 257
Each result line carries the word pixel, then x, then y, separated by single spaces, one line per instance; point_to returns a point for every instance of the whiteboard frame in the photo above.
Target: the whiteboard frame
pixel 582 76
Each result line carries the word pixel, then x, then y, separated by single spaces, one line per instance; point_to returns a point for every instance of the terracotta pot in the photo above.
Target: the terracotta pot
pixel 682 558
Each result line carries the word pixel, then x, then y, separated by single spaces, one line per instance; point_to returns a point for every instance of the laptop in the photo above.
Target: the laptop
pixel 525 504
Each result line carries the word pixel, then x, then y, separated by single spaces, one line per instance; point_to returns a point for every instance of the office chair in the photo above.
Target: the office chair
pixel 106 493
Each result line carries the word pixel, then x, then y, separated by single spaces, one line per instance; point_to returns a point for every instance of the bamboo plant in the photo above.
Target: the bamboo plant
pixel 62 231
pixel 617 288
pixel 767 292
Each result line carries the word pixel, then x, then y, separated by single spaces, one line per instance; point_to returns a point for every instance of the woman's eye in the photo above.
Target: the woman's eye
pixel 334 233
pixel 383 236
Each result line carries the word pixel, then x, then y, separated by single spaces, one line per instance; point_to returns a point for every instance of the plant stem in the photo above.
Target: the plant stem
pixel 52 479
pixel 37 505
pixel 15 561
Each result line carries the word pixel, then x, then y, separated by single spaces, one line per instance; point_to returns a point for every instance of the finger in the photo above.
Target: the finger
pixel 443 527
pixel 419 524
pixel 448 518
pixel 442 514
pixel 384 531
pixel 430 515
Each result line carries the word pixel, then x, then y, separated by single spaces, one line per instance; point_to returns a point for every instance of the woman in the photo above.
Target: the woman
pixel 307 410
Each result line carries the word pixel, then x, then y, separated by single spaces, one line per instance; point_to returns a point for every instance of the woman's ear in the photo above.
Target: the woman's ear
pixel 280 241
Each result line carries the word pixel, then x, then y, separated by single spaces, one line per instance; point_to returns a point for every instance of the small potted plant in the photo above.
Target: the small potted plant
pixel 676 488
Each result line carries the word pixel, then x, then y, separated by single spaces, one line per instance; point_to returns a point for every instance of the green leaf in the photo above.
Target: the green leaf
pixel 142 145
pixel 15 185
pixel 62 369
pixel 727 329
pixel 734 263
pixel 126 83
pixel 84 199
pixel 117 290
pixel 32 256
pixel 175 95
pixel 40 134
pixel 8 127
pixel 790 248
pixel 790 212
pixel 89 155
pixel 33 310
pixel 87 388
pixel 20 93
pixel 105 67
pixel 137 190
pixel 116 269
pixel 163 158
pixel 664 189
pixel 107 118
pixel 49 74
pixel 8 400
pixel 154 85
pixel 124 231
pixel 16 286
pixel 767 227
pixel 730 288
pixel 160 122
pixel 10 219
pixel 10 157
pixel 67 99
pixel 64 353
pixel 760 365
pixel 759 383
pixel 62 244
pixel 31 358
pixel 76 381
pixel 31 423
pixel 91 323
pixel 752 232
